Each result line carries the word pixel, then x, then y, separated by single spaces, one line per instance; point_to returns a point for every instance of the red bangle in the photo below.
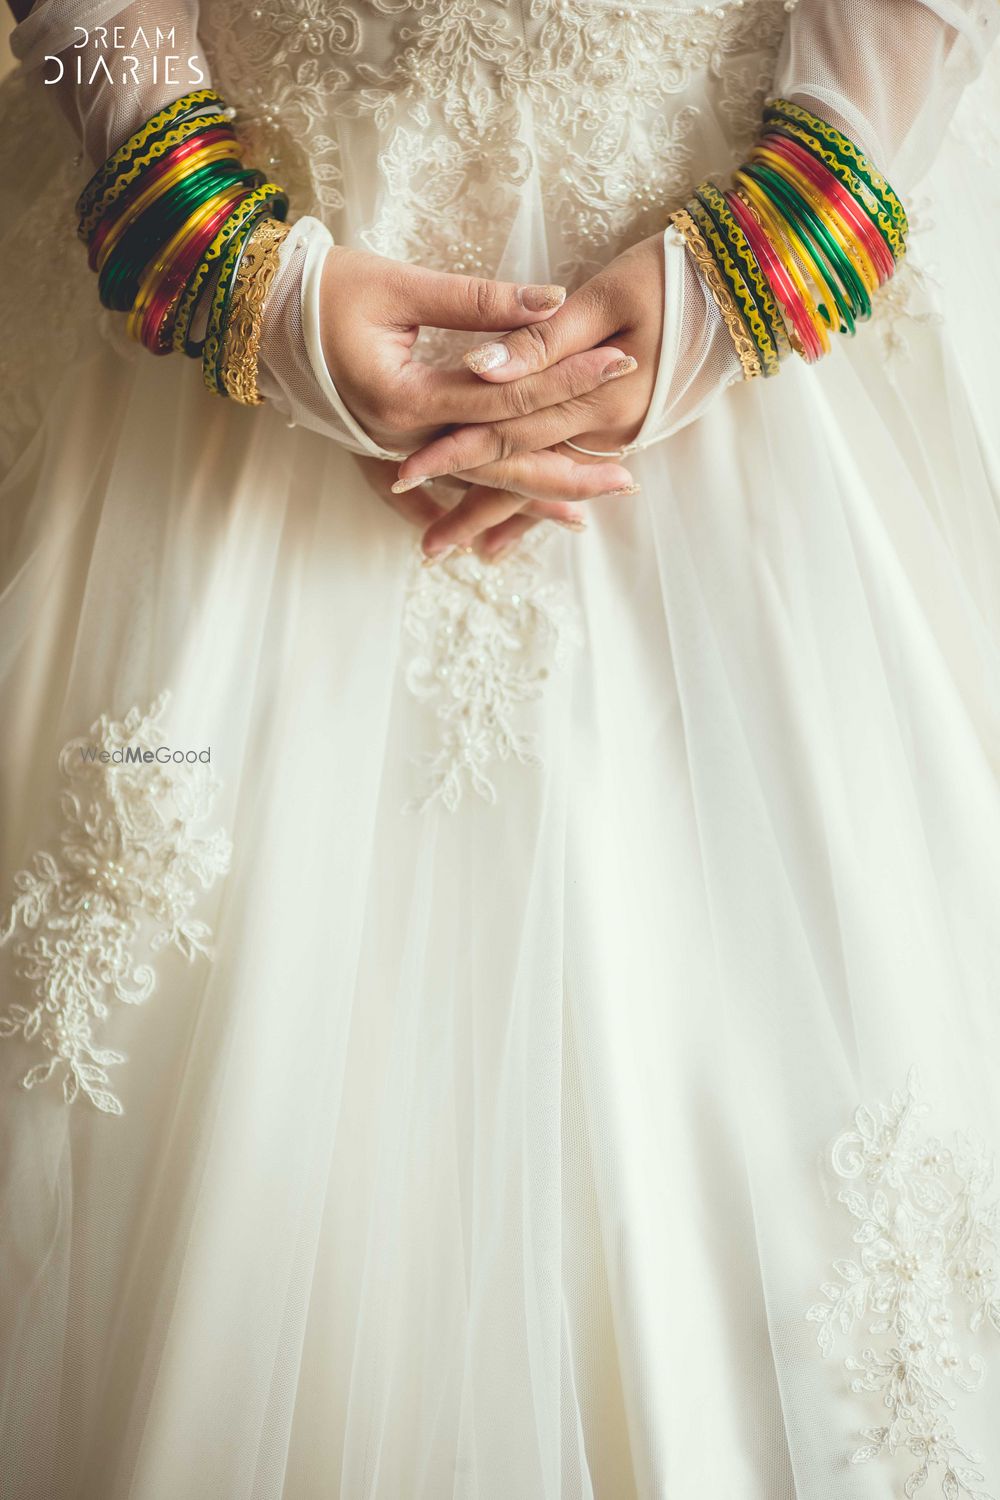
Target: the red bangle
pixel 151 177
pixel 781 283
pixel 825 181
pixel 155 332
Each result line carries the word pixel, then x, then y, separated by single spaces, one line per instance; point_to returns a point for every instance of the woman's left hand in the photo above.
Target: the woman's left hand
pixel 496 539
pixel 623 303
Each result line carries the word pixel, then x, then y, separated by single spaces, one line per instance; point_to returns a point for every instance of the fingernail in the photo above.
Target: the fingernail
pixel 436 557
pixel 402 485
pixel 623 366
pixel 487 357
pixel 626 489
pixel 541 298
pixel 572 523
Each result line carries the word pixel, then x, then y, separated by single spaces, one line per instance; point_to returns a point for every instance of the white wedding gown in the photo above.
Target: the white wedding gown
pixel 569 1058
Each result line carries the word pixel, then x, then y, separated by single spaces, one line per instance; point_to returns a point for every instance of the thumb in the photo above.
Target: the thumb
pixel 581 324
pixel 439 299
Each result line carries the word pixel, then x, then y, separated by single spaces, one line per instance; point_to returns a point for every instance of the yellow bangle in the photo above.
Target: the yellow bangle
pixel 150 154
pixel 783 240
pixel 827 214
pixel 157 269
pixel 105 178
pixel 221 151
pixel 812 263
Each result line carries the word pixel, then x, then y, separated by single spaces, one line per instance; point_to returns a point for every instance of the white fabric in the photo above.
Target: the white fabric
pixel 292 372
pixel 105 50
pixel 489 1153
pixel 836 58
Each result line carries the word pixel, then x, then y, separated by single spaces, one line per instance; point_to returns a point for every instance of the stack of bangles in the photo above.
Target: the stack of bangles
pixel 800 243
pixel 185 240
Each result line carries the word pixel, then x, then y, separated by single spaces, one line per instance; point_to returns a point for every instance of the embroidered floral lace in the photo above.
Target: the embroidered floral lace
pixel 125 876
pixel 926 1263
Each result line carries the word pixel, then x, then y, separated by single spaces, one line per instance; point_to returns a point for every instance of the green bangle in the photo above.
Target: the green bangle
pixel 268 199
pixel 715 204
pixel 181 131
pixel 829 248
pixel 196 287
pixel 848 153
pixel 740 291
pixel 863 197
pixel 121 273
pixel 181 109
pixel 833 260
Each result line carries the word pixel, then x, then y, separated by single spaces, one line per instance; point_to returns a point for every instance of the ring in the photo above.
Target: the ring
pixel 600 453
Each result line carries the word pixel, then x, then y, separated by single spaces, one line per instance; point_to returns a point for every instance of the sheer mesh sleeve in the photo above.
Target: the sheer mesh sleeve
pixel 98 40
pixel 110 83
pixel 292 372
pixel 889 75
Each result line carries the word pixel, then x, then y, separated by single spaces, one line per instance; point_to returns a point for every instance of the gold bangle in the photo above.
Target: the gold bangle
pixel 241 345
pixel 702 257
pixel 738 287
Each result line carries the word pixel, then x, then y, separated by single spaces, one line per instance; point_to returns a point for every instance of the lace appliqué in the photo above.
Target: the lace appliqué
pixel 927 1239
pixel 908 301
pixel 128 860
pixel 489 636
pixel 461 102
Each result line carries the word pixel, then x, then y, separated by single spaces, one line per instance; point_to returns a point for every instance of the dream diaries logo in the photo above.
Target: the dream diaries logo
pixel 119 55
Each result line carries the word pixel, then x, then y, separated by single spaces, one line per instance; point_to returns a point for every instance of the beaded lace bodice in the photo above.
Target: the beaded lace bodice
pixel 438 130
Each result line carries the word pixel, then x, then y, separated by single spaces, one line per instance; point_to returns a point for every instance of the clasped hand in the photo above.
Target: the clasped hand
pixel 580 367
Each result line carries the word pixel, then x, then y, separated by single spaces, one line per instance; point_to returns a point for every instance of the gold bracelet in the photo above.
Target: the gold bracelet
pixel 241 346
pixel 702 257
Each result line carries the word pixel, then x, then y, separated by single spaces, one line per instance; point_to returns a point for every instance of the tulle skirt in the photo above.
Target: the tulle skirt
pixel 560 1013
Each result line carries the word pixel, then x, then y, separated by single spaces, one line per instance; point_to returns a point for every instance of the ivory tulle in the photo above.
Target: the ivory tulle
pixel 548 970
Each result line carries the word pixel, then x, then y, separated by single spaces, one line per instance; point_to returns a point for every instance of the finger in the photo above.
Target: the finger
pixel 415 506
pixel 477 442
pixel 585 319
pixel 487 443
pixel 494 545
pixel 481 508
pixel 498 540
pixel 440 299
pixel 562 512
pixel 443 397
pixel 552 476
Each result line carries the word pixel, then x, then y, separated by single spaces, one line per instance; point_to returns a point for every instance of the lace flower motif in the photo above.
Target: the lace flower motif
pixel 128 860
pixel 911 298
pixel 927 1238
pixel 489 635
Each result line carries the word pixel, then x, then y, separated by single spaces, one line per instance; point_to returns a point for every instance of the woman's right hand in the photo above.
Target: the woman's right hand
pixel 371 311
pixel 337 357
